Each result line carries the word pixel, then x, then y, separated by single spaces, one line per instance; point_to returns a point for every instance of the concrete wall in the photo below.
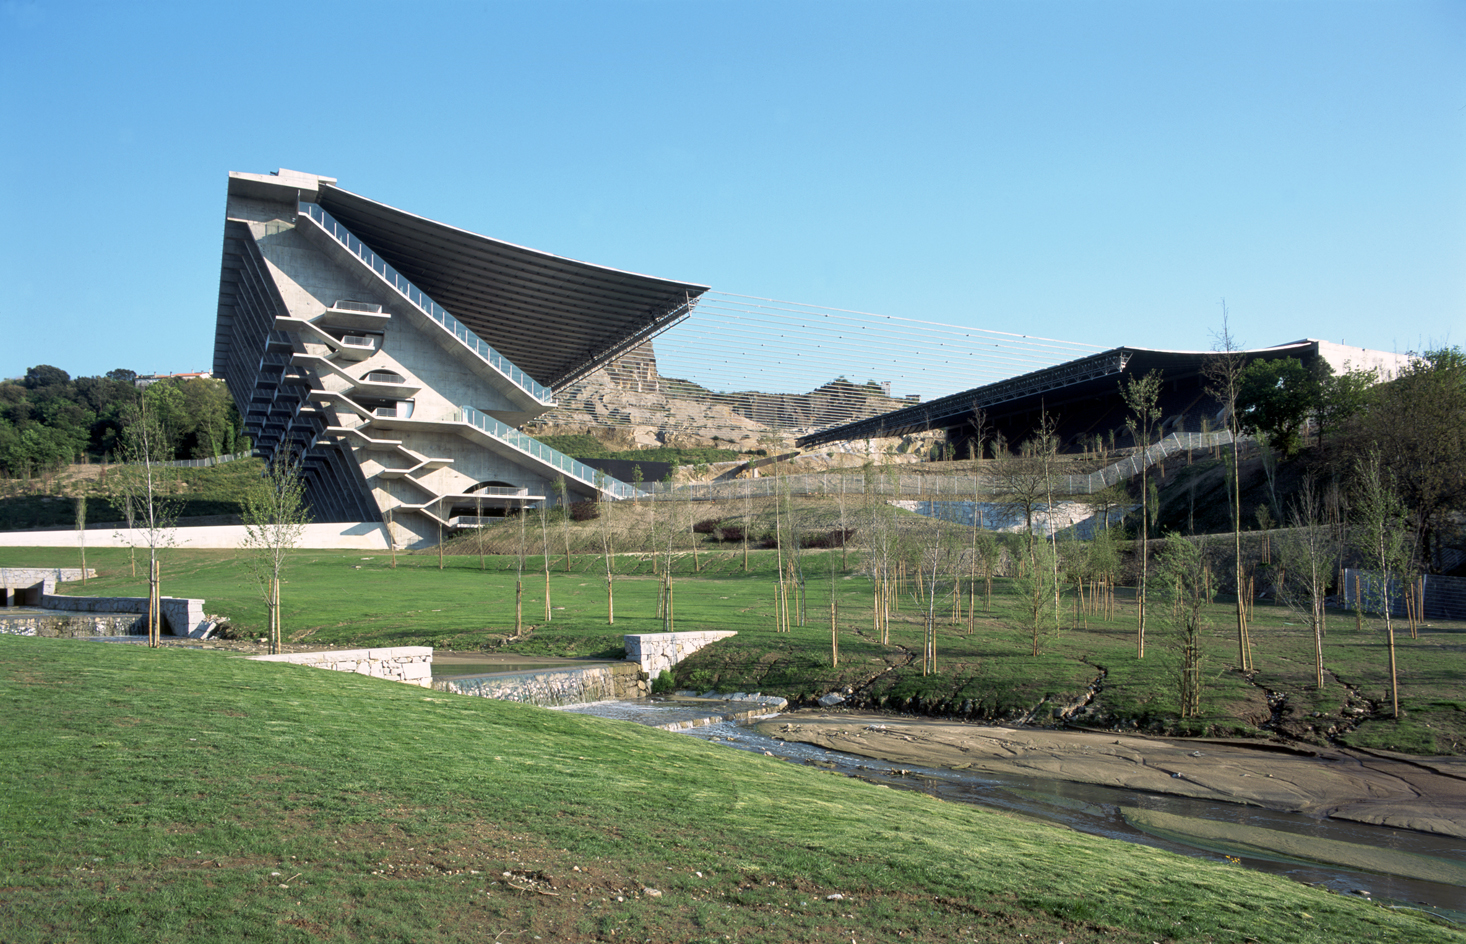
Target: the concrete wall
pixel 24 586
pixel 657 651
pixel 362 536
pixel 410 664
pixel 30 576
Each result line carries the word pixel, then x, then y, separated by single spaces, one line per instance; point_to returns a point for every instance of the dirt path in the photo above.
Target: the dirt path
pixel 1425 794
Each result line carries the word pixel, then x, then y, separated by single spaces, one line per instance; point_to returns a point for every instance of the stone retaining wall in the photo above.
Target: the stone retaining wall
pixel 553 687
pixel 68 626
pixel 658 651
pixel 181 616
pixel 410 664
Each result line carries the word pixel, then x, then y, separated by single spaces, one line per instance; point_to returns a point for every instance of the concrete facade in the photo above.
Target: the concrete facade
pixel 360 535
pixel 396 411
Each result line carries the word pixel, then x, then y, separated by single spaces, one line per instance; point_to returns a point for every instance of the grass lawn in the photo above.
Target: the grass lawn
pixel 340 599
pixel 175 795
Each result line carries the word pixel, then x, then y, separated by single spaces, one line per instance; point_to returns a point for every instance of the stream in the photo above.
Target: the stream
pixel 1082 807
pixel 1096 810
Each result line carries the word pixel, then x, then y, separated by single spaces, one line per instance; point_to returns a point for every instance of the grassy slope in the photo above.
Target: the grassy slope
pixel 49 503
pixel 990 674
pixel 174 795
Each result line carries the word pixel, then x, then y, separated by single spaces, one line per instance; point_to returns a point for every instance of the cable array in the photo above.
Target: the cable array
pixel 758 356
pixel 738 342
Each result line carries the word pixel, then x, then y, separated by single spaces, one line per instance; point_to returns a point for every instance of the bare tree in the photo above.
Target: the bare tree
pixel 149 485
pixel 1381 535
pixel 478 511
pixel 1223 374
pixel 562 499
pixel 607 551
pixel 1184 585
pixel 275 516
pixel 1142 397
pixel 1308 555
pixel 519 576
pixel 1036 591
pixel 545 543
pixel 81 534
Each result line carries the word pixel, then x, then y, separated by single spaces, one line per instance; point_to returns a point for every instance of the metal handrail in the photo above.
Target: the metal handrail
pixel 923 487
pixel 426 305
pixel 533 447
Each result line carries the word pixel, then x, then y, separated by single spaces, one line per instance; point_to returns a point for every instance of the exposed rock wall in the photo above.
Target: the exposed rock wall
pixel 629 394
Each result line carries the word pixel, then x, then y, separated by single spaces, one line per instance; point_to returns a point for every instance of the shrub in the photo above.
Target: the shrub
pixel 707 525
pixel 663 683
pixel 835 538
pixel 585 511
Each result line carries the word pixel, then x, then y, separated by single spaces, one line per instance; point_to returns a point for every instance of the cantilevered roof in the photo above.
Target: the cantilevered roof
pixel 557 319
pixel 1094 375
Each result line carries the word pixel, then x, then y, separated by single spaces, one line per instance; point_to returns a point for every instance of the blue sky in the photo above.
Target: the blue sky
pixel 1097 172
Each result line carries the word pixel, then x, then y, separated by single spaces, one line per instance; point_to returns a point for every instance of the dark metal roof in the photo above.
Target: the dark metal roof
pixel 1094 375
pixel 557 319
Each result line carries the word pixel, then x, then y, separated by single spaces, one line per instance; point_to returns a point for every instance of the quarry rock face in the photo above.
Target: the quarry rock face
pixel 630 403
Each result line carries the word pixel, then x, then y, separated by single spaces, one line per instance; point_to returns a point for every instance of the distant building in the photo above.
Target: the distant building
pixel 395 357
pixel 1082 397
pixel 147 380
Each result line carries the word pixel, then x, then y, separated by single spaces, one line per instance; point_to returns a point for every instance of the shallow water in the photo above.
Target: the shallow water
pixel 1096 810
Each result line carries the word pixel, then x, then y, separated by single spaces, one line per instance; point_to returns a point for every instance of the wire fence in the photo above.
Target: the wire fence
pixel 195 463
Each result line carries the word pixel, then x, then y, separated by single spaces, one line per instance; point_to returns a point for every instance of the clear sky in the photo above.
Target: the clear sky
pixel 1103 173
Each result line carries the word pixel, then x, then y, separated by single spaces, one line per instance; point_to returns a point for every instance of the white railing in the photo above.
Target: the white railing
pixel 934 486
pixel 426 305
pixel 533 447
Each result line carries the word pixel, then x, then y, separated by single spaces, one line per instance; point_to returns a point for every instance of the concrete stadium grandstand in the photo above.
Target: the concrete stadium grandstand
pixel 395 358
pixel 1083 397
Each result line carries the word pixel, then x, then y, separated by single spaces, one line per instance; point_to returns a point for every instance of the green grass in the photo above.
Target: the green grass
pixel 173 795
pixel 357 599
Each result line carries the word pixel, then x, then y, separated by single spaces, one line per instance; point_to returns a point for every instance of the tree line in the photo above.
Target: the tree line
pixel 49 419
pixel 1412 426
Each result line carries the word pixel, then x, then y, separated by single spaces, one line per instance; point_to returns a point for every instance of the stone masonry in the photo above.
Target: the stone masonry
pixel 658 651
pixel 410 664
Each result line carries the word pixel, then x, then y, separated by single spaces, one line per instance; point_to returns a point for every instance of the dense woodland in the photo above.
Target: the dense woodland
pixel 48 419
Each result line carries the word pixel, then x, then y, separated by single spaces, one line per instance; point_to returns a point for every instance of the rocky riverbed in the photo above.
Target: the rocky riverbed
pixel 1427 794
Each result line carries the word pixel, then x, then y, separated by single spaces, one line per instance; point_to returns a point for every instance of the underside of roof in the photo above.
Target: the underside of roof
pixel 556 318
pixel 1076 380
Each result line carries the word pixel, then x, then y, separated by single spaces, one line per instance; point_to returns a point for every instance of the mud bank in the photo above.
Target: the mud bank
pixel 1427 794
